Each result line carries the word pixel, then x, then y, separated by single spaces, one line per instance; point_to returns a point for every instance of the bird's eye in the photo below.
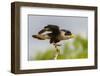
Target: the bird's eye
pixel 68 33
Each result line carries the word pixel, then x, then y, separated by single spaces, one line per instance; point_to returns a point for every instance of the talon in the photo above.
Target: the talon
pixel 57 44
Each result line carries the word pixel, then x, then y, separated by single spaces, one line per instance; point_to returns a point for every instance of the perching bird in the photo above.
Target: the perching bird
pixel 55 34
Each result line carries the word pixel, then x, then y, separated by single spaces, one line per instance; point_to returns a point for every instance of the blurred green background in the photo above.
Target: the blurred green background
pixel 76 49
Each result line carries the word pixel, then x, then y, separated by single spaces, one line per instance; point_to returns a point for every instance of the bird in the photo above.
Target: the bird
pixel 54 33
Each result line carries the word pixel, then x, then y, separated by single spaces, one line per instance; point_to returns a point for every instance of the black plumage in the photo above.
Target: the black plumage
pixel 55 34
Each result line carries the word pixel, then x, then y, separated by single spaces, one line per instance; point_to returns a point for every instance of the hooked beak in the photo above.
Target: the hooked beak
pixel 72 36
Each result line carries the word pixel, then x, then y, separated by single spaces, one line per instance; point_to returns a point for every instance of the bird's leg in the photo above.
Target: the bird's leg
pixel 57 51
pixel 56 44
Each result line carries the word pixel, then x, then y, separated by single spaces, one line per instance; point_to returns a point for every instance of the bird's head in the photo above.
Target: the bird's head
pixel 68 34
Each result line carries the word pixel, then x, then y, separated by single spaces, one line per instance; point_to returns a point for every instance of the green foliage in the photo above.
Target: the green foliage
pixel 76 49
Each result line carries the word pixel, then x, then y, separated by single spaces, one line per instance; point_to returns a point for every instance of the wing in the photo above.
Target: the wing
pixel 41 31
pixel 51 28
pixel 41 37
